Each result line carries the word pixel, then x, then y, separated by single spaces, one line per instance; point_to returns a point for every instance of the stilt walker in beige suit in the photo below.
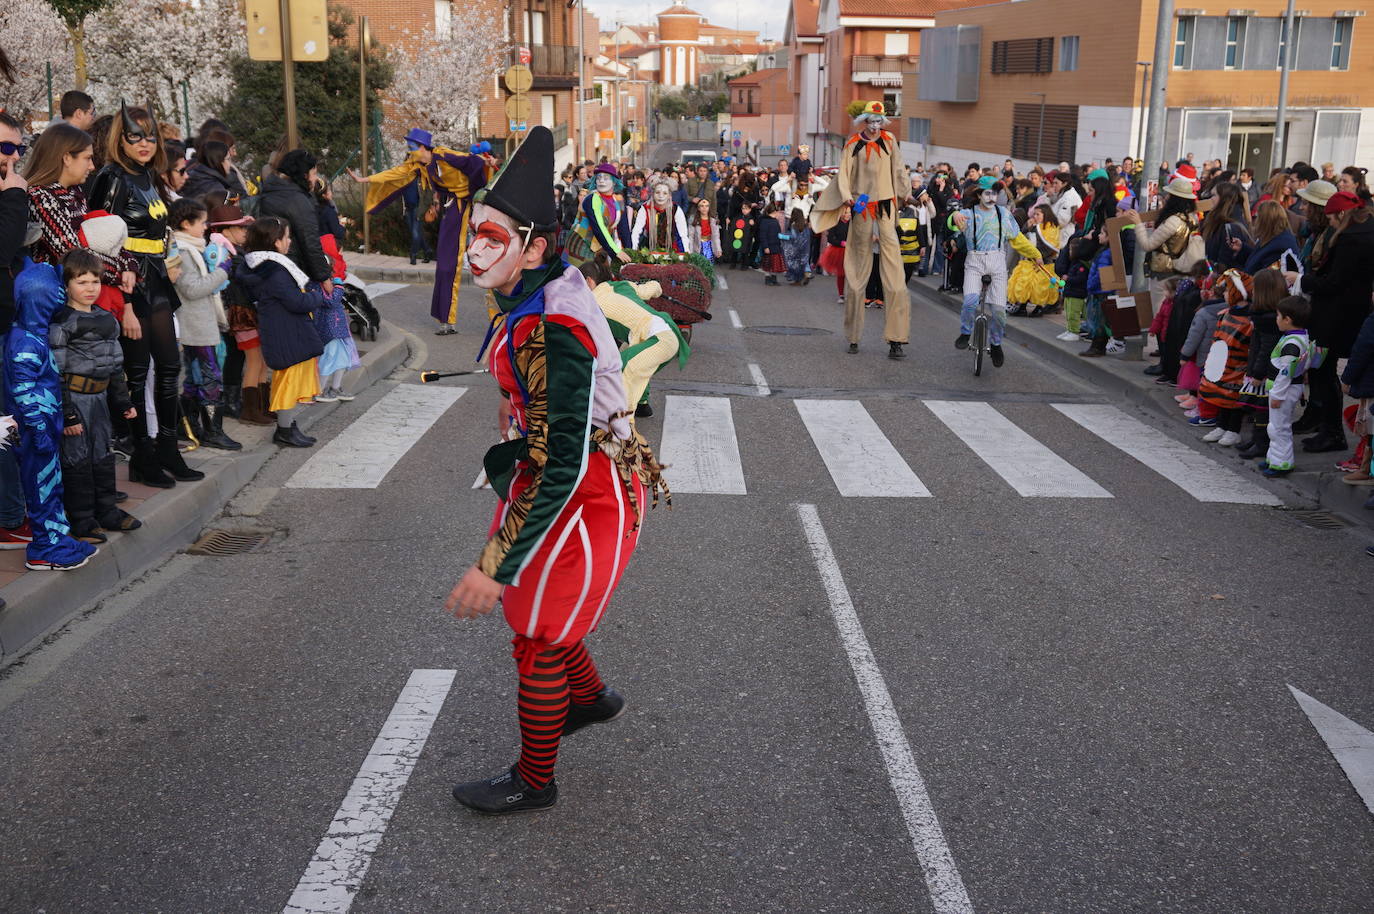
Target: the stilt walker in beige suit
pixel 870 177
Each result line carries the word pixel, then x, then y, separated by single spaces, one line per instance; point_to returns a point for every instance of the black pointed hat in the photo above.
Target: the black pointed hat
pixel 523 188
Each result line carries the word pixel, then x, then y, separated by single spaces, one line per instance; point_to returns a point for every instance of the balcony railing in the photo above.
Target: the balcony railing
pixel 864 65
pixel 560 136
pixel 550 59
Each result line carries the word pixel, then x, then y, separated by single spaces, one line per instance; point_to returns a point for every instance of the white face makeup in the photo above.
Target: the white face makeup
pixel 494 254
pixel 987 197
pixel 662 196
pixel 605 183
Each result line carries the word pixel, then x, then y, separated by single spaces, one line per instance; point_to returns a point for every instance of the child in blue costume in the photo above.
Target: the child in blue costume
pixel 33 390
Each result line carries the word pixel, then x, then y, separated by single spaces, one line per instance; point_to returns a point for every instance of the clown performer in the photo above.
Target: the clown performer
pixel 573 482
pixel 870 177
pixel 987 228
pixel 604 221
pixel 454 177
pixel 33 389
pixel 661 226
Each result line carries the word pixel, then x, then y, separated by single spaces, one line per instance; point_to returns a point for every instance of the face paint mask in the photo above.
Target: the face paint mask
pixel 605 183
pixel 662 196
pixel 987 197
pixel 494 254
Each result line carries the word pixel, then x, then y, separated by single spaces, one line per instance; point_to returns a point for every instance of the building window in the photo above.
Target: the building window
pixel 892 103
pixel 1235 41
pixel 1340 44
pixel 1183 43
pixel 443 20
pixel 1335 137
pixel 918 130
pixel 534 27
pixel 1283 40
pixel 1023 55
pixel 1059 142
pixel 896 44
pixel 1068 52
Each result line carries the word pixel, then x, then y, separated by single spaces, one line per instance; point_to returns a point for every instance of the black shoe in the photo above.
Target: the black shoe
pixel 1258 446
pixel 171 460
pixel 853 348
pixel 121 496
pixel 1017 310
pixel 961 342
pixel 212 430
pixel 231 401
pixel 1155 369
pixel 446 330
pixel 894 351
pixel 144 466
pixel 1307 422
pixel 1324 443
pixel 412 260
pixel 1037 311
pixel 122 448
pixel 997 357
pixel 504 793
pixel 120 522
pixel 644 410
pixel 770 280
pixel 609 706
pixel 291 437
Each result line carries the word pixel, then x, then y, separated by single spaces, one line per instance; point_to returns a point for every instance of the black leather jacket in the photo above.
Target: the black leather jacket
pixel 134 197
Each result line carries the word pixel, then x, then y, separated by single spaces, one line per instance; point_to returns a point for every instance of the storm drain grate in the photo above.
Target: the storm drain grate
pixel 1319 520
pixel 229 542
pixel 779 330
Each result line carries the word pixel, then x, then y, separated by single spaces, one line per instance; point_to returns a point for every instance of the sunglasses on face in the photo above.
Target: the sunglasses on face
pixel 12 149
pixel 180 171
pixel 133 139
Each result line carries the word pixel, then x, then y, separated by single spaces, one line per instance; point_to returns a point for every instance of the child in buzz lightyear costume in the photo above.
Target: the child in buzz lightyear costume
pixel 870 177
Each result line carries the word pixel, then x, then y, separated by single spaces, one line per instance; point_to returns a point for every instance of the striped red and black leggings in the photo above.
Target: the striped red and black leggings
pixel 546 686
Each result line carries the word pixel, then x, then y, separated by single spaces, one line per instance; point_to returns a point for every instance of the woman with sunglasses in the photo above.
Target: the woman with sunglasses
pixel 174 178
pixel 128 187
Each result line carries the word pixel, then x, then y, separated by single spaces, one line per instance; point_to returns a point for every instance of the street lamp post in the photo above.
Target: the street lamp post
pixel 1281 115
pixel 1144 106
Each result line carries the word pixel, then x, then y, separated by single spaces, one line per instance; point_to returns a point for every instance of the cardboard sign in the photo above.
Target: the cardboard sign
pixel 1128 314
pixel 1116 278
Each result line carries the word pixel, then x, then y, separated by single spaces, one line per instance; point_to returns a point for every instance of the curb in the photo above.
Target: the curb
pixel 1117 377
pixel 415 275
pixel 41 603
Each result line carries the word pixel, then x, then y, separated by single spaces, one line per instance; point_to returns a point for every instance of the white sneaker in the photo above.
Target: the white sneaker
pixel 325 396
pixel 1115 347
pixel 1214 436
pixel 1230 439
pixel 343 397
pixel 1068 336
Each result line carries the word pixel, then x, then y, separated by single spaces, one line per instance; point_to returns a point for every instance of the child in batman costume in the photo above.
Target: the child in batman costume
pixel 573 483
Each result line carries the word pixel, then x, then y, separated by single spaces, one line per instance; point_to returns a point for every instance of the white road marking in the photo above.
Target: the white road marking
pixel 735 321
pixel 721 283
pixel 376 290
pixel 1032 469
pixel 1194 473
pixel 699 446
pixel 856 452
pixel 362 455
pixel 760 382
pixel 946 886
pixel 1351 744
pixel 481 482
pixel 341 861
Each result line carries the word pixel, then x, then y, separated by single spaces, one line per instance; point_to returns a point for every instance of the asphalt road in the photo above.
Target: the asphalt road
pixel 1093 691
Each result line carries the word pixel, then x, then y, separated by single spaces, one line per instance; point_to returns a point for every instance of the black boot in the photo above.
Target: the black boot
pixel 171 459
pixel 1258 444
pixel 78 497
pixel 107 511
pixel 231 401
pixel 212 430
pixel 144 466
pixel 1309 421
pixel 291 437
pixel 608 706
pixel 505 793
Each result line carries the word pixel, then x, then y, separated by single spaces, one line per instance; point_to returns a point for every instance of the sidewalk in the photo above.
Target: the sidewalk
pixel 40 602
pixel 385 268
pixel 1121 377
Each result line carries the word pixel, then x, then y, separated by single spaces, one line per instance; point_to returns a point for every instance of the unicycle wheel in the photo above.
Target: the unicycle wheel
pixel 979 343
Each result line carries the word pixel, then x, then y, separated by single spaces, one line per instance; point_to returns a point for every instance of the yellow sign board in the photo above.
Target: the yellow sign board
pixel 309 29
pixel 519 78
pixel 518 108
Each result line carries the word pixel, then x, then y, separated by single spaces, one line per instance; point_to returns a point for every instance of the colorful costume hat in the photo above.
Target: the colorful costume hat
pixel 420 137
pixel 523 188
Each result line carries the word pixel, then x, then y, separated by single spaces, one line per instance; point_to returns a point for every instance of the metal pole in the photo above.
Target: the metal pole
pixel 288 74
pixel 186 105
pixel 581 86
pixel 51 114
pixel 1154 140
pixel 615 101
pixel 1281 115
pixel 362 122
pixel 1140 126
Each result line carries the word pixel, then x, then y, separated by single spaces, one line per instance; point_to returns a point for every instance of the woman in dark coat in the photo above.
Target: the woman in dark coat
pixel 288 196
pixel 1340 281
pixel 211 172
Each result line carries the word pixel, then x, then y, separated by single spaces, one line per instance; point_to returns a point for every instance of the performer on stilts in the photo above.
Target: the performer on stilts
pixel 573 484
pixel 870 178
pixel 454 177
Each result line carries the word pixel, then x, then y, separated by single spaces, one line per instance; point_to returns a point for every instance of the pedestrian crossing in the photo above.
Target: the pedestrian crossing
pixel 701 448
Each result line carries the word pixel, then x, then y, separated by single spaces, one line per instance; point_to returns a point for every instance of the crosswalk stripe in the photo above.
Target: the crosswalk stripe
pixel 1194 473
pixel 700 447
pixel 376 290
pixel 362 455
pixel 1032 469
pixel 856 452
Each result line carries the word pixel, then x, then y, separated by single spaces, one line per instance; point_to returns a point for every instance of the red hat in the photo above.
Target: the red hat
pixel 1187 171
pixel 1342 201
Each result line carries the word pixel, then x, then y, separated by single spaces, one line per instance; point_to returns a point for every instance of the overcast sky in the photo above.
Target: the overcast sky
pixel 772 13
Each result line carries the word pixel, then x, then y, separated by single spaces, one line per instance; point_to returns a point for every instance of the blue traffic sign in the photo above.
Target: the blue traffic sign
pixel 784 149
pixel 737 134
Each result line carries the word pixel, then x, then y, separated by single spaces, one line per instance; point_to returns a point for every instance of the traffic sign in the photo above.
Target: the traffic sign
pixel 737 143
pixel 519 78
pixel 524 55
pixel 518 127
pixel 784 149
pixel 518 108
pixel 737 134
pixel 309 30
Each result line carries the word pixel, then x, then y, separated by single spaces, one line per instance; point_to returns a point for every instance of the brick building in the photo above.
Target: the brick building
pixel 761 108
pixel 986 73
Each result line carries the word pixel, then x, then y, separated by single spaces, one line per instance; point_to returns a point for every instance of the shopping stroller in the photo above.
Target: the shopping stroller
pixel 363 317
